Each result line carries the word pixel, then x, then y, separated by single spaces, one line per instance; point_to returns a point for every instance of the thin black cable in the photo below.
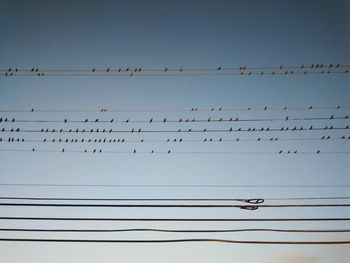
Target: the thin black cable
pixel 180 120
pixel 173 185
pixel 244 200
pixel 177 219
pixel 177 241
pixel 139 130
pixel 193 109
pixel 169 140
pixel 219 71
pixel 169 152
pixel 315 66
pixel 247 207
pixel 177 230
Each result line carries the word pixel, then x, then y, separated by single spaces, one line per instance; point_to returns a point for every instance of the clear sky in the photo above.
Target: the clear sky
pixel 158 34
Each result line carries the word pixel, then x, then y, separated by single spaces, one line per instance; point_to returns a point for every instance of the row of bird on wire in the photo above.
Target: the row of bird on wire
pixel 166 71
pixel 169 140
pixel 189 109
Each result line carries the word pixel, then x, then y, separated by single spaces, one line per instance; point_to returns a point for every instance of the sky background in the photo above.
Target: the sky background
pixel 158 34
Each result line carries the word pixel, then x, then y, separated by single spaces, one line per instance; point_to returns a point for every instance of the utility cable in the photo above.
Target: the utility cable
pixel 177 241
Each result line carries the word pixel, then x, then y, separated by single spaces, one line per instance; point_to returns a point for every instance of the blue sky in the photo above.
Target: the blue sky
pixel 157 34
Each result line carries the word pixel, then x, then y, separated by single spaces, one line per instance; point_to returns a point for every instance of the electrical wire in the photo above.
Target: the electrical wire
pixel 153 152
pixel 177 230
pixel 218 71
pixel 169 140
pixel 173 185
pixel 189 109
pixel 180 120
pixel 177 241
pixel 244 200
pixel 176 219
pixel 246 207
pixel 166 69
pixel 139 130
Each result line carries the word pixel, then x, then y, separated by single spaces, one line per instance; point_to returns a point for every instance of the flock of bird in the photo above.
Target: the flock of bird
pixel 166 71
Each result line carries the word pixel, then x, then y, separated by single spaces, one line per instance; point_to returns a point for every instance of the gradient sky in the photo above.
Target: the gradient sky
pixel 157 34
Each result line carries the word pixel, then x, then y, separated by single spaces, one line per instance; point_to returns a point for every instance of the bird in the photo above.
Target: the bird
pixel 134 151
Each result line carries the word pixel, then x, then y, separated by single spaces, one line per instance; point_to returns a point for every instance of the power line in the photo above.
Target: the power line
pixel 181 71
pixel 244 200
pixel 205 130
pixel 180 120
pixel 189 109
pixel 153 152
pixel 306 198
pixel 181 68
pixel 247 207
pixel 177 241
pixel 168 140
pixel 177 230
pixel 176 219
pixel 173 185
